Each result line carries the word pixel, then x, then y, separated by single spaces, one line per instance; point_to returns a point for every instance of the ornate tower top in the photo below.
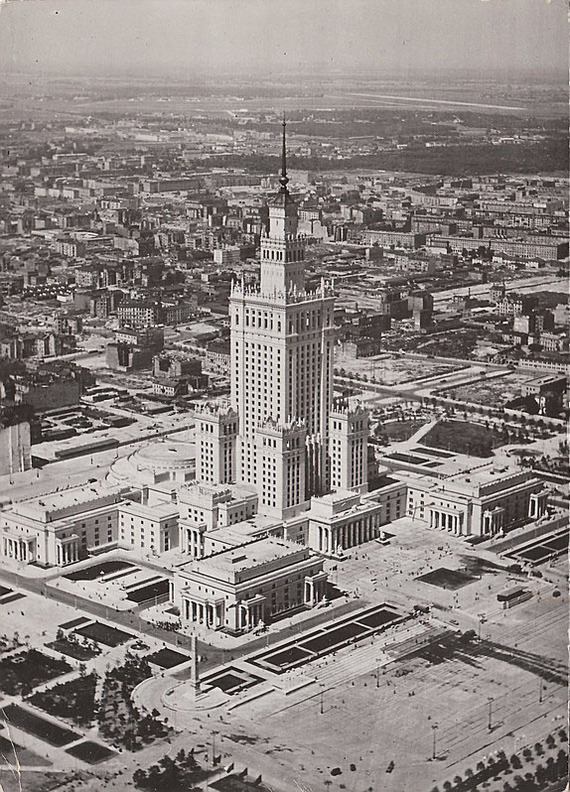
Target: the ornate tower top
pixel 284 179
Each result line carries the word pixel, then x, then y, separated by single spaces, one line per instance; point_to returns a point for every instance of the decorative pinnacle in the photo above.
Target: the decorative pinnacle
pixel 284 180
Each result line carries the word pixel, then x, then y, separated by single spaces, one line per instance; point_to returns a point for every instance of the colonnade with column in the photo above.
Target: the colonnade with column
pixel 537 504
pixel 250 613
pixel 211 614
pixel 18 548
pixel 446 521
pixel 493 521
pixel 67 551
pixel 192 539
pixel 315 588
pixel 331 538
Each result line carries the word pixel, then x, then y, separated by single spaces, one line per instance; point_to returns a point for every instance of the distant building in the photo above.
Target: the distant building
pixel 516 304
pixel 134 349
pixel 548 392
pixel 395 239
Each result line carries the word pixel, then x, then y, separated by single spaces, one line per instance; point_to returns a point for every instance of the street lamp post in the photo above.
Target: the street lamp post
pixel 434 730
pixel 489 723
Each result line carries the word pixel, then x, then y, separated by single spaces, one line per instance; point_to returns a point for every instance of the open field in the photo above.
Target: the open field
pixel 389 370
pixel 492 393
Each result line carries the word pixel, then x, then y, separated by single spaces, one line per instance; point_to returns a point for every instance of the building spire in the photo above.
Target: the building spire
pixel 284 180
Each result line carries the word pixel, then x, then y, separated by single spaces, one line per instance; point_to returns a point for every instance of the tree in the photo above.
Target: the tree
pixel 140 778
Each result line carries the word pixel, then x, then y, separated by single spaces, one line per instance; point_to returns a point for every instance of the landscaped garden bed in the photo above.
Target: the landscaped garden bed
pixel 52 733
pixel 71 644
pixel 22 672
pixel 98 570
pixel 450 579
pixel 90 752
pixel 167 658
pixel 158 589
pixel 103 633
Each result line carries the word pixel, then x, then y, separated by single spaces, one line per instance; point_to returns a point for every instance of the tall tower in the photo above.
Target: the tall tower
pixel 282 251
pixel 281 348
pixel 348 445
pixel 216 430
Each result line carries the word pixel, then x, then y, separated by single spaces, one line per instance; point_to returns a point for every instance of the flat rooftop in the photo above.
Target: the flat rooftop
pixel 42 505
pixel 239 559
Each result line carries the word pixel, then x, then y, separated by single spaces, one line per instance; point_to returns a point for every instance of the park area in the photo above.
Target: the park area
pixel 22 672
pixel 397 431
pixel 72 645
pixel 464 438
pixel 74 700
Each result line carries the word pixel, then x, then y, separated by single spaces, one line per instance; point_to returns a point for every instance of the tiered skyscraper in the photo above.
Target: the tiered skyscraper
pixel 282 435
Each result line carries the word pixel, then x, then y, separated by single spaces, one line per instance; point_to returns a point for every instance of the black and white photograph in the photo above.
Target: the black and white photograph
pixel 284 395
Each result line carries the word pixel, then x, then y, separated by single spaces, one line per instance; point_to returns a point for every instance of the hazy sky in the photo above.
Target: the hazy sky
pixel 190 37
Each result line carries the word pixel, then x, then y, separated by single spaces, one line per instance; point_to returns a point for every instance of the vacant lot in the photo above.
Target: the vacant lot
pixel 492 393
pixel 388 370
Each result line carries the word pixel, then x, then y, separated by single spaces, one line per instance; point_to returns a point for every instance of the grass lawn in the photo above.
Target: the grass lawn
pixel 451 579
pixel 168 658
pixel 464 438
pixel 97 570
pixel 90 752
pixel 40 727
pixel 396 431
pixel 103 633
